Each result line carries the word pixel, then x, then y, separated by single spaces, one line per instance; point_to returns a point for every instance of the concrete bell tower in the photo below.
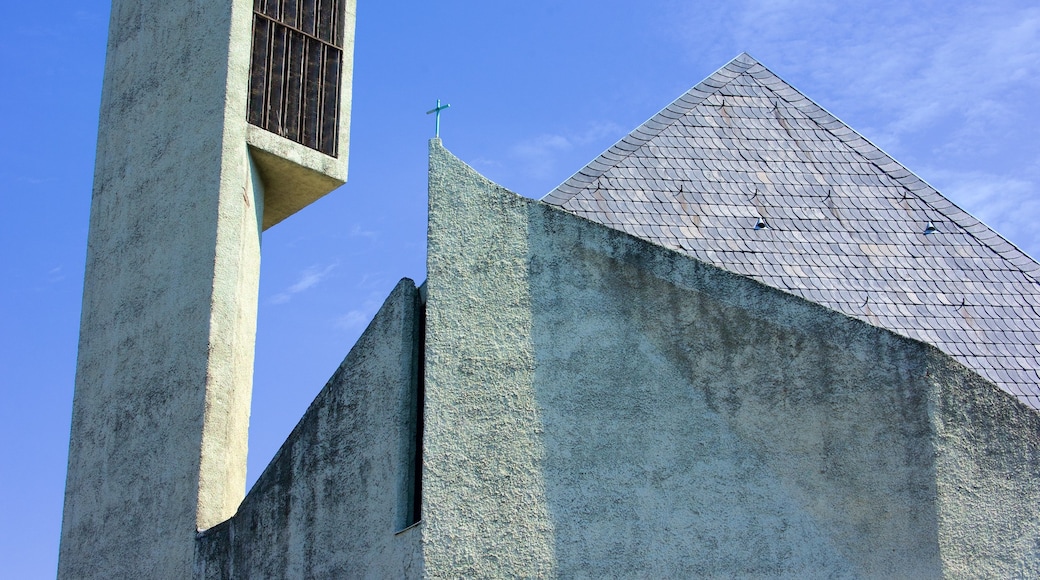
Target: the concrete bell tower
pixel 218 120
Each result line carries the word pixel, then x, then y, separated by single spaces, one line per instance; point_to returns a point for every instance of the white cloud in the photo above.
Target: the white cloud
pixel 55 274
pixel 358 318
pixel 904 66
pixel 1006 204
pixel 482 163
pixel 375 285
pixel 309 278
pixel 372 280
pixel 355 319
pixel 538 155
pixel 946 88
pixel 356 231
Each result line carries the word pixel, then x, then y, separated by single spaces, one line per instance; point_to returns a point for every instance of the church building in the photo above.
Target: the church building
pixel 743 341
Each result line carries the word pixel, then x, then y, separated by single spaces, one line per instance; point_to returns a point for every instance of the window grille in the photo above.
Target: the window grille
pixel 297 63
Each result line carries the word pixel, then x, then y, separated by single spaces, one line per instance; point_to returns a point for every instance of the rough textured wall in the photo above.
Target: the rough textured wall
pixel 988 460
pixel 484 504
pixel 335 495
pixel 597 405
pixel 699 424
pixel 161 409
pixel 164 377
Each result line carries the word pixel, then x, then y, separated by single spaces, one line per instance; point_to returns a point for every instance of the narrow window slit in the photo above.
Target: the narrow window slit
pixel 420 401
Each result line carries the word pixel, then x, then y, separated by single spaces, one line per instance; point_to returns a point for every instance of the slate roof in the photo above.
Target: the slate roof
pixel 745 172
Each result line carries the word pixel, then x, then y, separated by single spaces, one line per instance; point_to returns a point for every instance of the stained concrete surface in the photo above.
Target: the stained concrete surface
pixel 600 406
pixel 337 497
pixel 164 375
pixel 161 407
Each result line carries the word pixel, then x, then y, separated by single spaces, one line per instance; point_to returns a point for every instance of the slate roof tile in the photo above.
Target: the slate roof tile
pixel 846 221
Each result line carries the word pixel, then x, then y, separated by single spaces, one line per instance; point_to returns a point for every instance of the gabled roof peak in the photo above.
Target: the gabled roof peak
pixel 847 226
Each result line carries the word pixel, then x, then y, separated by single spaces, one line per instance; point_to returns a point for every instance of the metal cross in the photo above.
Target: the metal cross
pixel 437 124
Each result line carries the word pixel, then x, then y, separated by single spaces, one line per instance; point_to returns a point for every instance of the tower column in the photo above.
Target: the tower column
pixel 164 374
pixel 183 187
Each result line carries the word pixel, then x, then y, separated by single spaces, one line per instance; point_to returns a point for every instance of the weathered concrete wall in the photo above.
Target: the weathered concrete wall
pixel 699 424
pixel 988 464
pixel 335 495
pixel 164 376
pixel 166 341
pixel 484 504
pixel 599 406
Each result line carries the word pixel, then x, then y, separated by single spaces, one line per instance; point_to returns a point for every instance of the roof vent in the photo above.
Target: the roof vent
pixel 761 224
pixel 930 228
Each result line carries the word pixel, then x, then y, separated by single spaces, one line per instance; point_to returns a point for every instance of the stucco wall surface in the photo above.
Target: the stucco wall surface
pixel 164 376
pixel 163 379
pixel 597 406
pixel 335 495
pixel 485 510
pixel 988 464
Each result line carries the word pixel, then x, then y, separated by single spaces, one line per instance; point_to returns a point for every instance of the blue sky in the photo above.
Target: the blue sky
pixel 537 90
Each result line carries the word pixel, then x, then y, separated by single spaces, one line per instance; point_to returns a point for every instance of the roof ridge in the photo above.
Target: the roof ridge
pixel 650 129
pixel 906 177
pixel 966 290
pixel 745 63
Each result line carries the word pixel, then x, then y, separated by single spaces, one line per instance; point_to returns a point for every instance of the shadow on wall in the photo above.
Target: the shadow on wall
pixel 700 423
pixel 335 498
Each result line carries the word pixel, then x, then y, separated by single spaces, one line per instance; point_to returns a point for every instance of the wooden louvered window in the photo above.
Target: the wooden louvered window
pixel 297 62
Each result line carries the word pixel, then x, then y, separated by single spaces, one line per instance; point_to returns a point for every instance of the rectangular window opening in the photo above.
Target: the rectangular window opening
pixel 295 71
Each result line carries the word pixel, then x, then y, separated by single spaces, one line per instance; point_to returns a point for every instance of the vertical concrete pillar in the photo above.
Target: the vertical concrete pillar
pixel 183 187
